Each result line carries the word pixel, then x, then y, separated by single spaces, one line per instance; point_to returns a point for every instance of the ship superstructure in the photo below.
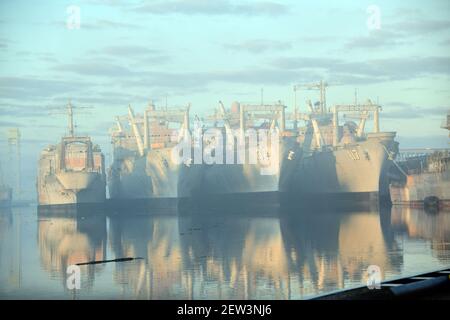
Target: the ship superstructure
pixel 71 172
pixel 258 155
pixel 342 162
pixel 143 167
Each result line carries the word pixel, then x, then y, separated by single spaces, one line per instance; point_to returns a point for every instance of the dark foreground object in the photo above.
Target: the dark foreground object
pixel 432 286
pixel 106 261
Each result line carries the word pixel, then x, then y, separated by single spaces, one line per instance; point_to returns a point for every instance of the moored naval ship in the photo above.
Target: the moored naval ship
pixel 252 156
pixel 341 164
pixel 143 168
pixel 71 172
pixel 423 181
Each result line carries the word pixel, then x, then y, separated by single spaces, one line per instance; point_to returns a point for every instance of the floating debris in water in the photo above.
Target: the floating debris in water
pixel 106 261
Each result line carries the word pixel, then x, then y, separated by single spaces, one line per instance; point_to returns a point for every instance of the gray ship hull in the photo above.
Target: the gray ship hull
pixel 90 189
pixel 354 173
pixel 243 184
pixel 153 176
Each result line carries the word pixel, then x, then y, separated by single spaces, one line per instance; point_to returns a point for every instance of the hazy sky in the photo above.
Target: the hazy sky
pixel 201 51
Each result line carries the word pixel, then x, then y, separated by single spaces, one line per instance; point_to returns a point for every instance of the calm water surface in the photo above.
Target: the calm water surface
pixel 214 255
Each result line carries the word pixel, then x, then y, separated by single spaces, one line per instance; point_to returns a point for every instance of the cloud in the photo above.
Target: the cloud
pixel 420 26
pixel 416 21
pixel 404 28
pixel 107 24
pixel 254 76
pixel 139 77
pixel 30 56
pixel 216 7
pixel 282 71
pixel 96 68
pixel 370 71
pixel 402 110
pixel 318 39
pixel 414 88
pixel 100 98
pixel 259 46
pixel 305 62
pixel 106 2
pixel 99 24
pixel 142 53
pixel 127 50
pixel 376 39
pixel 261 76
pixel 33 88
pixel 23 111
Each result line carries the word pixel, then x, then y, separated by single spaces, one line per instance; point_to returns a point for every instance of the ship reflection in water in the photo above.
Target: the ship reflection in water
pixel 212 255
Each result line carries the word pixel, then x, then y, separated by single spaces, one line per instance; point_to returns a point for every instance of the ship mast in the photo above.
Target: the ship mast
pixel 321 86
pixel 323 102
pixel 70 114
